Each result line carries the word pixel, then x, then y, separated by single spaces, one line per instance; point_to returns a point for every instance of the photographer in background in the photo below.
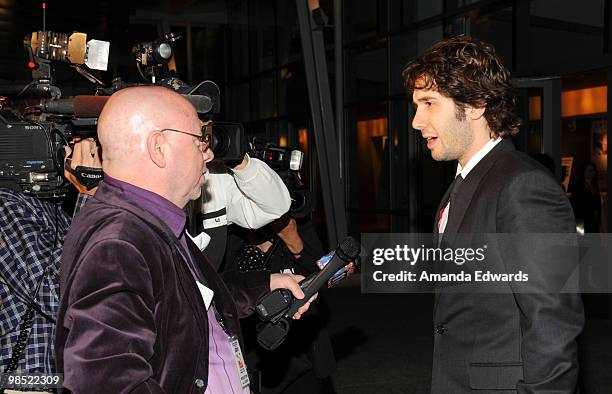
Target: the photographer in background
pixel 32 232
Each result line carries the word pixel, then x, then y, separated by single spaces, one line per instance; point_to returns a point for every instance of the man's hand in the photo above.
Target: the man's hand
pixel 290 282
pixel 85 153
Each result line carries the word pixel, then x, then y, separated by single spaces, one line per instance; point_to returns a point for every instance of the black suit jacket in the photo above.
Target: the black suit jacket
pixel 512 341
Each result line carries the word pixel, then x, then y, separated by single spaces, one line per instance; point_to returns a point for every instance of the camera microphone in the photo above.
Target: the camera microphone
pixel 84 106
pixel 80 106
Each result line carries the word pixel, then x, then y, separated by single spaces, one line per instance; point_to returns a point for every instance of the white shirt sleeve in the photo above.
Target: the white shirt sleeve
pixel 253 196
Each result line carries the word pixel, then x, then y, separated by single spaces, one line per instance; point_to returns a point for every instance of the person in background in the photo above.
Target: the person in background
pixel 32 233
pixel 586 199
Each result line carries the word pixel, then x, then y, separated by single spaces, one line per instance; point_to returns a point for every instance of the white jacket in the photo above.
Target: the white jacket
pixel 253 196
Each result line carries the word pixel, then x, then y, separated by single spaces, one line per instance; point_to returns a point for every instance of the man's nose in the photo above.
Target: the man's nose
pixel 208 154
pixel 418 122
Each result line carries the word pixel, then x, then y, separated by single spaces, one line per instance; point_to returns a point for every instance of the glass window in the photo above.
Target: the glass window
pixel 406 47
pixel 530 138
pixel 454 4
pixel 366 74
pixel 413 11
pixel 263 34
pixel 237 103
pixel 263 100
pixel 584 100
pixel 368 165
pixel 584 12
pixel 493 27
pixel 562 32
pixel 237 40
pixel 360 20
pixel 289 44
pixel 208 59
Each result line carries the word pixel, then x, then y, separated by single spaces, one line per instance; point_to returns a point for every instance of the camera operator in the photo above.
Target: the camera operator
pixel 250 195
pixel 305 362
pixel 32 231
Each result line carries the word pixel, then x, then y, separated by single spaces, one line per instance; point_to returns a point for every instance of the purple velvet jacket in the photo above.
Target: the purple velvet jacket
pixel 131 318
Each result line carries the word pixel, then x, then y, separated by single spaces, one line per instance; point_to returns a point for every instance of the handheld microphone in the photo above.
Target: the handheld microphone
pixel 277 307
pixel 334 267
pixel 346 252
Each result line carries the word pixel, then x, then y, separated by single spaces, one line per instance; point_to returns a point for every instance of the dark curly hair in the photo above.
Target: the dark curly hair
pixel 470 72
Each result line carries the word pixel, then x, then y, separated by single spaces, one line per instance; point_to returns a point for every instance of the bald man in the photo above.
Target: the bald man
pixel 141 309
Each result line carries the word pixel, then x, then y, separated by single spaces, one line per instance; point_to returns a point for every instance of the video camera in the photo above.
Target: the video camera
pixel 31 139
pixel 36 122
pixel 286 162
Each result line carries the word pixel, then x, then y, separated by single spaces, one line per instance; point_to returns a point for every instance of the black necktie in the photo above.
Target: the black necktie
pixel 454 189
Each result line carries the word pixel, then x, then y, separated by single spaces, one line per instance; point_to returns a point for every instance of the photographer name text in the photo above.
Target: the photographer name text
pixel 424 276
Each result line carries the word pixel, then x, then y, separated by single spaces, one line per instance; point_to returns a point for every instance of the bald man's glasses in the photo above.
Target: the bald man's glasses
pixel 204 138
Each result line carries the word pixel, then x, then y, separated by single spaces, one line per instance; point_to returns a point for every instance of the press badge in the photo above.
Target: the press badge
pixel 240 364
pixel 207 294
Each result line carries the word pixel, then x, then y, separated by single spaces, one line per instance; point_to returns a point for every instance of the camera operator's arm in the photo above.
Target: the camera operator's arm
pixel 84 154
pixel 287 230
pixel 254 196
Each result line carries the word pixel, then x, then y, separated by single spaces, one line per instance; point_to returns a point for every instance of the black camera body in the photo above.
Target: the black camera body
pixel 287 162
pixel 27 159
pixel 36 122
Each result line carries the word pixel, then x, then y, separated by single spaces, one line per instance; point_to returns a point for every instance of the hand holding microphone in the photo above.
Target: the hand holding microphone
pixel 278 306
pixel 291 282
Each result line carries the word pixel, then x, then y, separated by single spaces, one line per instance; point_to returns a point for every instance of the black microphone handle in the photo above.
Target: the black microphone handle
pixel 307 280
pixel 317 282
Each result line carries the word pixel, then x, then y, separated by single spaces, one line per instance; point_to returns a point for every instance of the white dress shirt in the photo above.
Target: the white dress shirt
pixel 463 172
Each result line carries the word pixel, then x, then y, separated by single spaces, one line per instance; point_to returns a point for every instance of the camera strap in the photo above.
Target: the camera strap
pixel 87 176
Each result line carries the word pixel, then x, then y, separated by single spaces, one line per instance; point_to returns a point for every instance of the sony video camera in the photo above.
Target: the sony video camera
pixel 32 139
pixel 36 122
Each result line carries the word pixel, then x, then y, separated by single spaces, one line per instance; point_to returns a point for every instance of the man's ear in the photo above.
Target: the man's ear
pixel 156 146
pixel 475 113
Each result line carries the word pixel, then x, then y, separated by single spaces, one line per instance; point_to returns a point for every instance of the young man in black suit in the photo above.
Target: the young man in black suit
pixel 515 341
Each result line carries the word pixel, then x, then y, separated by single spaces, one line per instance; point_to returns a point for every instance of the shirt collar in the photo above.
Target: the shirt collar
pixel 155 204
pixel 464 171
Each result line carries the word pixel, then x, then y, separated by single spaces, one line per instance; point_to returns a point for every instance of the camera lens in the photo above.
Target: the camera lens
pixel 220 142
pixel 301 203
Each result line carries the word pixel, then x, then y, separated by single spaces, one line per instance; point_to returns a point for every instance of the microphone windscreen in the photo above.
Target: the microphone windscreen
pixel 89 106
pixel 348 249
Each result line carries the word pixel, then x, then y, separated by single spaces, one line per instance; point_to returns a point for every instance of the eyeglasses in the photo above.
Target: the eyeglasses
pixel 204 138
